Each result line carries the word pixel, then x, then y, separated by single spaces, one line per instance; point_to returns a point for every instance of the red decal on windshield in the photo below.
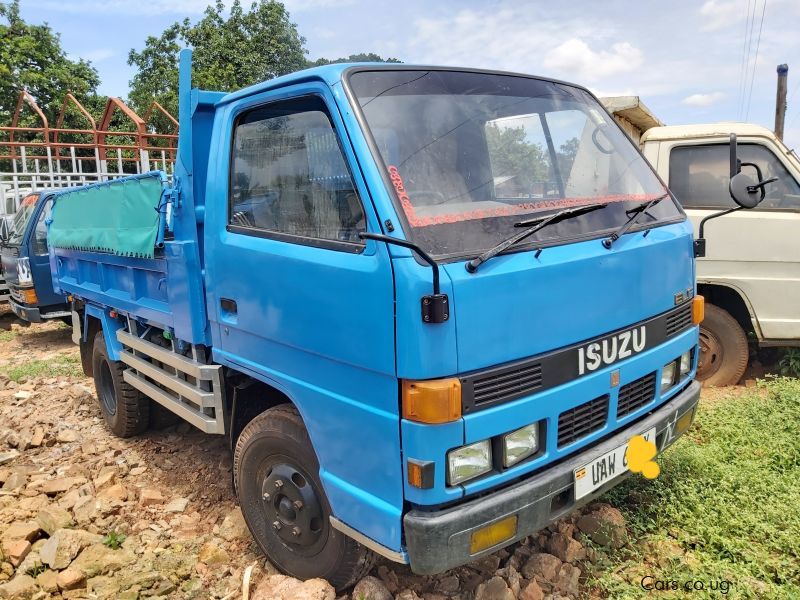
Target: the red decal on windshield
pixel 400 188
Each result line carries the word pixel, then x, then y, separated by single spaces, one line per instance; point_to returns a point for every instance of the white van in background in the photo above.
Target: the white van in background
pixel 750 276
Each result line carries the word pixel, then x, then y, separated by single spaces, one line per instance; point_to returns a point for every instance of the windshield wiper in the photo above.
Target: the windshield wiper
pixel 635 212
pixel 532 226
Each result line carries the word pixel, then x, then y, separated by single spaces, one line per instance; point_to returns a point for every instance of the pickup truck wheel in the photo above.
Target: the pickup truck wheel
pixel 124 408
pixel 723 349
pixel 276 476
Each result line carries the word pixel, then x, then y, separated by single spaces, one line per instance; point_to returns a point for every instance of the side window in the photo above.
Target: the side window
pixel 40 233
pixel 288 174
pixel 699 176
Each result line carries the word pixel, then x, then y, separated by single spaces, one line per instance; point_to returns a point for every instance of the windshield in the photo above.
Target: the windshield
pixel 470 154
pixel 26 210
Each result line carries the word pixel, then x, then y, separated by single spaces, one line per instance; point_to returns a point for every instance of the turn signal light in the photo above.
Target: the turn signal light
pixel 433 401
pixel 698 310
pixel 28 296
pixel 491 535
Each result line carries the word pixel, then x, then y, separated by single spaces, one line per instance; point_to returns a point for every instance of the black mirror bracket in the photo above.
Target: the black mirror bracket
pixel 436 306
pixel 700 242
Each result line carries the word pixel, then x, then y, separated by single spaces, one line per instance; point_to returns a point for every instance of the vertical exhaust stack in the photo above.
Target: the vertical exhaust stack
pixel 780 100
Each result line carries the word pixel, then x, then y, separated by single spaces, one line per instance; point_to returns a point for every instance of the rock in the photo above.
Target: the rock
pixel 22 395
pixel 371 588
pixel 282 587
pixel 543 565
pixel 448 584
pixel 62 484
pixel 487 564
pixel 567 580
pixel 17 551
pixel 494 589
pixel 53 517
pixel 150 497
pixel 389 578
pixel 211 554
pixel 532 591
pixel 64 546
pixel 407 595
pixel 103 587
pixel 8 456
pixel 70 579
pixel 47 581
pixel 66 436
pixel 37 437
pixel 605 525
pixel 178 505
pixel 21 587
pixel 115 492
pixel 512 578
pixel 99 559
pixel 233 526
pixel 15 481
pixel 565 548
pixel 106 477
pixel 27 530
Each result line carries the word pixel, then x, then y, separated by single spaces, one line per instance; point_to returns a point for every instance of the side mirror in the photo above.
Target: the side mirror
pixel 744 191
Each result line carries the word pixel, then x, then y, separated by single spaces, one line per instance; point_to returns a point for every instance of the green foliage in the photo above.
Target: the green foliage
pixel 7 336
pixel 31 57
pixel 36 570
pixel 725 504
pixel 64 365
pixel 514 156
pixel 353 58
pixel 114 540
pixel 790 362
pixel 229 53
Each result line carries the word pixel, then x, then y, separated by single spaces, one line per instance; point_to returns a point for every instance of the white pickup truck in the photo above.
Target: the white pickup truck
pixel 750 275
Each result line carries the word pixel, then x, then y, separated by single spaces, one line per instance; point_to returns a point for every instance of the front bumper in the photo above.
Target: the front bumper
pixel 440 540
pixel 32 314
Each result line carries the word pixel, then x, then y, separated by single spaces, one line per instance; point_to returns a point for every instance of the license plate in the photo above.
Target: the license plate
pixel 604 468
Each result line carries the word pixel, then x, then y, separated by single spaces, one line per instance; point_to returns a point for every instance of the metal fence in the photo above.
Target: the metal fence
pixel 41 156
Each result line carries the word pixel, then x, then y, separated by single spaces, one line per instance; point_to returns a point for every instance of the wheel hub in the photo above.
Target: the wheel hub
pixel 291 505
pixel 710 354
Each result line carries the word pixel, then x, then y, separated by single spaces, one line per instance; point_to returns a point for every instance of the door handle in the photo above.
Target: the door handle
pixel 228 305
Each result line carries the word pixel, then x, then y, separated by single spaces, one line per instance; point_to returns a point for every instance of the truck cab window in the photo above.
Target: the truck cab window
pixel 288 174
pixel 699 176
pixel 40 233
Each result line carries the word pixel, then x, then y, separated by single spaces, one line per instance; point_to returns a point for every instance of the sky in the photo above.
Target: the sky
pixel 689 61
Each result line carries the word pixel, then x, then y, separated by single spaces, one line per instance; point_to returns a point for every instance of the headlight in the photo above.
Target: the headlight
pixel 468 462
pixel 520 444
pixel 686 363
pixel 668 375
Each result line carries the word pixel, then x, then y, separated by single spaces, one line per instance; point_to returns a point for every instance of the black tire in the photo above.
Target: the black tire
pixel 273 447
pixel 161 418
pixel 723 349
pixel 125 409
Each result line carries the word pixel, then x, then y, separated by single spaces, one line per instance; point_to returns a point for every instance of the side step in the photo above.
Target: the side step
pixel 190 389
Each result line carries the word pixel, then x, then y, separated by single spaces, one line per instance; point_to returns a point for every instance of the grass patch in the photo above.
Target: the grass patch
pixel 724 509
pixel 7 336
pixel 59 366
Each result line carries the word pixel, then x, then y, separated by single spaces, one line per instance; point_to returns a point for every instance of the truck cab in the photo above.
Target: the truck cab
pixel 26 263
pixel 750 276
pixel 429 306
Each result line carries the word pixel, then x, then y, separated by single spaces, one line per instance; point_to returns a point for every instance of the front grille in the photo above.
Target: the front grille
pixel 582 420
pixel 679 320
pixel 508 384
pixel 636 394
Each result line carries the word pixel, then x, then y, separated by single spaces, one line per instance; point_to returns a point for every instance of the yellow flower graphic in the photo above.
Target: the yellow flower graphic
pixel 640 457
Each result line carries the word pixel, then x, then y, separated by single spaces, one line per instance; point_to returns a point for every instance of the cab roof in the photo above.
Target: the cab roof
pixel 722 129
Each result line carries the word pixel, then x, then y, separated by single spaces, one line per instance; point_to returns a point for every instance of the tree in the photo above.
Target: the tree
pixel 362 57
pixel 31 58
pixel 229 53
pixel 515 157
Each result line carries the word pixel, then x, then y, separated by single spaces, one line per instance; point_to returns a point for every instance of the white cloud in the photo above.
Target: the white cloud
pixel 703 99
pixel 98 54
pixel 718 15
pixel 575 56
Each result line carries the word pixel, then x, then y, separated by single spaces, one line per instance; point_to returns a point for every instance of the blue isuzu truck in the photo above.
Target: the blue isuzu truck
pixel 428 306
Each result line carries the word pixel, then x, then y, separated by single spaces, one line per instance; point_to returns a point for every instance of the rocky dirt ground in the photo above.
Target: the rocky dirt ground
pixel 86 515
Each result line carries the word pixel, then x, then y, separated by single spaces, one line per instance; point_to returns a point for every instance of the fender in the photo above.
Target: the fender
pixel 110 326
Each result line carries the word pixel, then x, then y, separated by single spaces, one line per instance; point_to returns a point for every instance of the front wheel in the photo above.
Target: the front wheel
pixel 276 475
pixel 125 409
pixel 723 349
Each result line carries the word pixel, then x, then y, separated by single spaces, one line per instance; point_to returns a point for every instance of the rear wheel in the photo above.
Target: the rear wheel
pixel 723 349
pixel 124 408
pixel 276 475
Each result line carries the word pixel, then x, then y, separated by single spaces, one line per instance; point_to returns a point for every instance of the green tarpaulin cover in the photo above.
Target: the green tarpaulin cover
pixel 120 217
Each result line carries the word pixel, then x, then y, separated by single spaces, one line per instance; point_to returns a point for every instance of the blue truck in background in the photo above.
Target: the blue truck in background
pixel 25 262
pixel 428 306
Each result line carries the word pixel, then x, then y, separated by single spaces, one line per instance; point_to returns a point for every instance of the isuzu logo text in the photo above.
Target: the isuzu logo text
pixel 610 350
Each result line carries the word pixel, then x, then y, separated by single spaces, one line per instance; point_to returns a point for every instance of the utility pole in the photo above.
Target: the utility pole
pixel 780 100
